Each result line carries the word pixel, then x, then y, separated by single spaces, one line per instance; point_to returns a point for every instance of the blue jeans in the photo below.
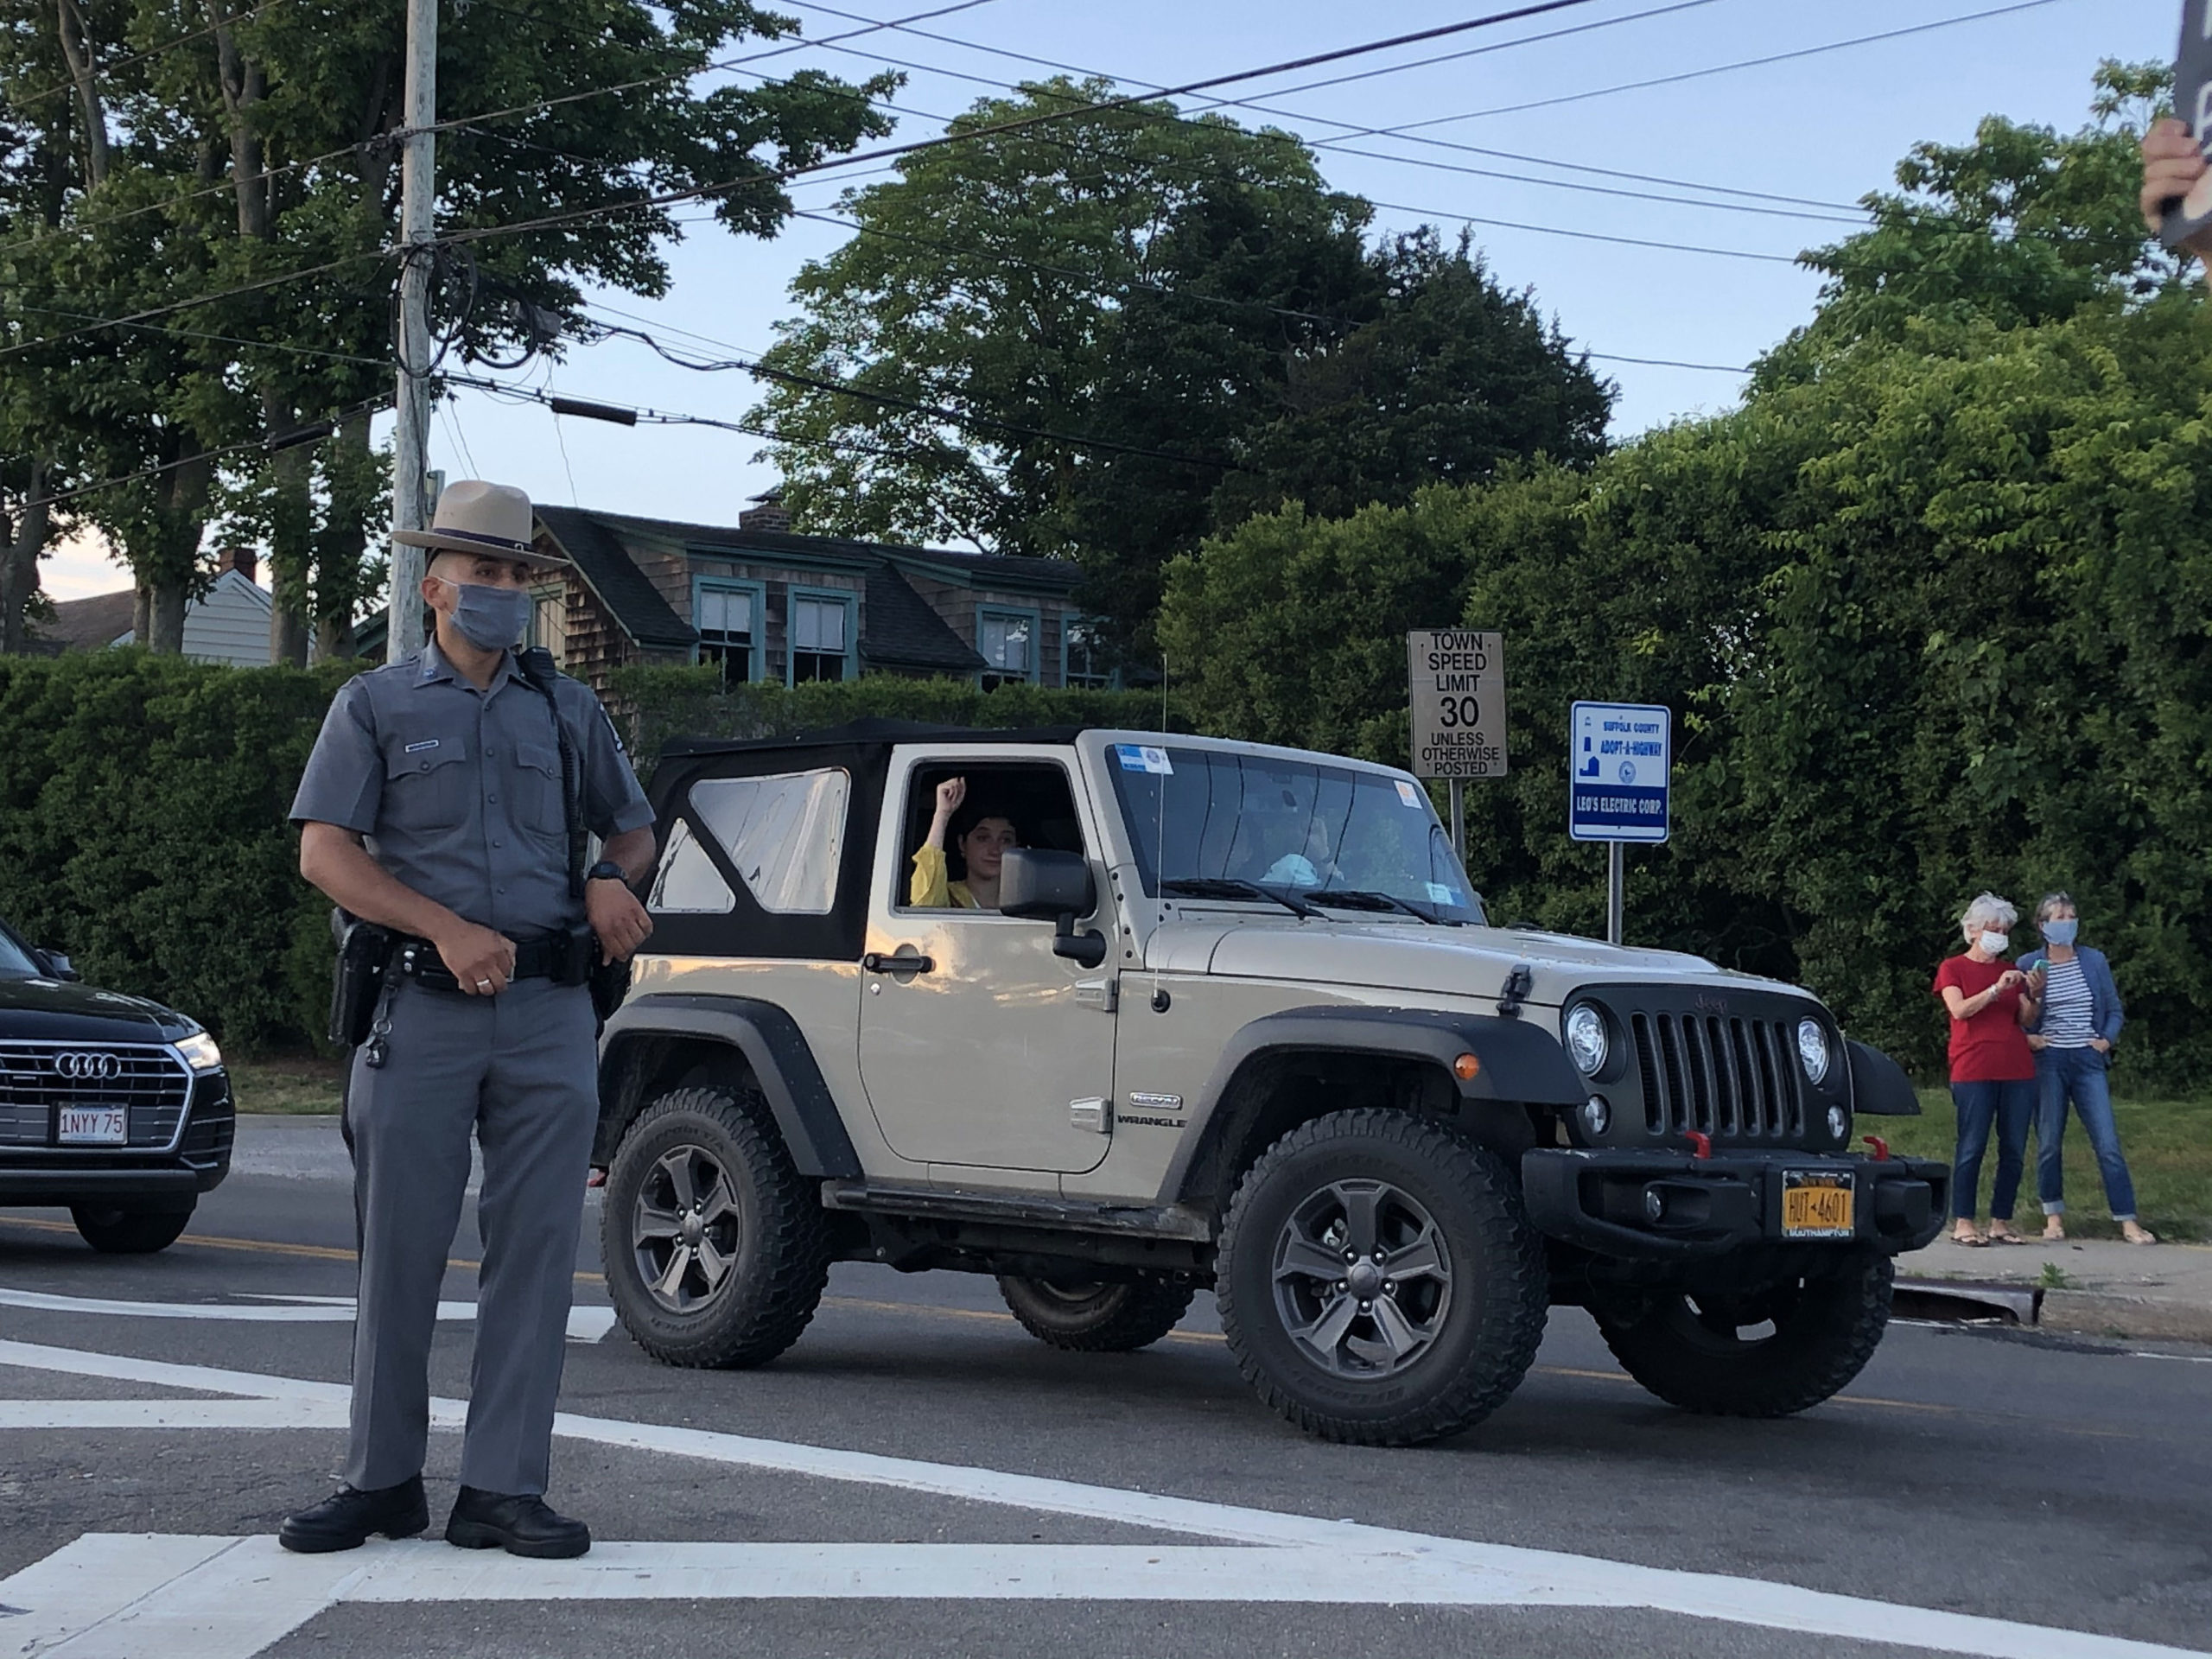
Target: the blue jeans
pixel 2010 1107
pixel 2079 1073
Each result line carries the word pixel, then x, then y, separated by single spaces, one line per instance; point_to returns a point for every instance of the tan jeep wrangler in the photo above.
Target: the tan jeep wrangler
pixel 1238 1022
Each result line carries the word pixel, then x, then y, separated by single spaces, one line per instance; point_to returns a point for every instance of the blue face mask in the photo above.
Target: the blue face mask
pixel 2061 932
pixel 490 619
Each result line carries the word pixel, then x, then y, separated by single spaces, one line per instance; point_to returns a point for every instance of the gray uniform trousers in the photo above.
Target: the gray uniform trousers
pixel 521 1069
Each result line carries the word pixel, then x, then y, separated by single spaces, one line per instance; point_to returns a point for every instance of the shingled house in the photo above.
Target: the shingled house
pixel 766 604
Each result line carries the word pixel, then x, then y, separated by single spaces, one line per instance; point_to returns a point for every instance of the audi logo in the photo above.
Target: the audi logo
pixel 88 1067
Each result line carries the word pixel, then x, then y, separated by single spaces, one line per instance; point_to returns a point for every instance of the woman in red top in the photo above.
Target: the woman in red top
pixel 1992 1069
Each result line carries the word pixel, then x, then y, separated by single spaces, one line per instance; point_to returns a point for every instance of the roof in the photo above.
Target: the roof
pixel 986 569
pixel 91 624
pixel 613 575
pixel 876 731
pixel 900 630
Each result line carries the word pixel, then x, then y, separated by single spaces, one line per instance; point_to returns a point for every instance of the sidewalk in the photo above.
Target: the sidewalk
pixel 2111 1288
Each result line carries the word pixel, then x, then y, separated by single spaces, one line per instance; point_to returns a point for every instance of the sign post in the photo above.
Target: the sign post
pixel 1619 761
pixel 1456 681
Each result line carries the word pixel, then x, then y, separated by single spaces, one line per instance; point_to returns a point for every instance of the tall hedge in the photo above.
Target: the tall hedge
pixel 142 804
pixel 143 832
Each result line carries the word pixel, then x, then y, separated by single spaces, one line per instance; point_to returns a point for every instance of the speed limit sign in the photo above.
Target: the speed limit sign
pixel 1457 679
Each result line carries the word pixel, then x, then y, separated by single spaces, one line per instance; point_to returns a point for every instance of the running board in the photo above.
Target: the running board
pixel 1171 1221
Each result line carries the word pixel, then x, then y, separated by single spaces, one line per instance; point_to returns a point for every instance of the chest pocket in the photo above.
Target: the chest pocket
pixel 536 780
pixel 429 789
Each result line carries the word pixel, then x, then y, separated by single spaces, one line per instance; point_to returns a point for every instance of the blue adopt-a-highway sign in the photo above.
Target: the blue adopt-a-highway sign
pixel 1619 755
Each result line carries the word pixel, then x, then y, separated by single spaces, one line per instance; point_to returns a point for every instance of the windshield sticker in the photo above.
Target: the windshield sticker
pixel 1440 893
pixel 1408 793
pixel 1141 757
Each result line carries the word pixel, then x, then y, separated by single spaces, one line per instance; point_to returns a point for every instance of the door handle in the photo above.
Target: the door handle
pixel 901 961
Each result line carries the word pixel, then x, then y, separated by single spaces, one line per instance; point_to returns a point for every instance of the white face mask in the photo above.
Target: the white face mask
pixel 1994 944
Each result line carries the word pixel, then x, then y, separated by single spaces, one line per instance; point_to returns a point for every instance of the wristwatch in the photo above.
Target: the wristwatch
pixel 607 870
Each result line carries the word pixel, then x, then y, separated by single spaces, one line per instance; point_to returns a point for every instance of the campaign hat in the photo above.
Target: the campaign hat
pixel 474 517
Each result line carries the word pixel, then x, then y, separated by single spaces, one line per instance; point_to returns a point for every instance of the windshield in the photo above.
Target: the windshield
pixel 1298 826
pixel 15 961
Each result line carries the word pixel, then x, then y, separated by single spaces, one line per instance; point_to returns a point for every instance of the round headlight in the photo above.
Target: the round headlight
pixel 1813 1048
pixel 1586 1041
pixel 1839 1123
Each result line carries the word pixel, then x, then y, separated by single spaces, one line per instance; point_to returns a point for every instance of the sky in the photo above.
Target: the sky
pixel 1826 127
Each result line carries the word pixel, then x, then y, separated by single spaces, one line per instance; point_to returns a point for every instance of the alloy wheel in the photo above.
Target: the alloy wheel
pixel 1362 1281
pixel 683 1229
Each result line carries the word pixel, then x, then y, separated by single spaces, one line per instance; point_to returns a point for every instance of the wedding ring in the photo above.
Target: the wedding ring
pixel 483 984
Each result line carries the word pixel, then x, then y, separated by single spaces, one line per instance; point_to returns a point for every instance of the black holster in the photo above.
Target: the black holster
pixel 364 955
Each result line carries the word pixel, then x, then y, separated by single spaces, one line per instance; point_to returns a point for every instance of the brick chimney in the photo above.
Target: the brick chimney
pixel 243 560
pixel 768 512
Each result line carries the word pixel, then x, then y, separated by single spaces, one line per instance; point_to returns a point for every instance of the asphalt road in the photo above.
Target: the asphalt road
pixel 919 1477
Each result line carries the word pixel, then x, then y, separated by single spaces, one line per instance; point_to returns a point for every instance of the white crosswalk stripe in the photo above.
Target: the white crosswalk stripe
pixel 229 1598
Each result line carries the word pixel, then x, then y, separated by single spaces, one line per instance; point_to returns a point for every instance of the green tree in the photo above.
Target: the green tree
pixel 222 160
pixel 1104 337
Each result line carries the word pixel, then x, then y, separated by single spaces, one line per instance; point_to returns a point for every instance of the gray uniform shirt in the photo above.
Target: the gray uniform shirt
pixel 458 791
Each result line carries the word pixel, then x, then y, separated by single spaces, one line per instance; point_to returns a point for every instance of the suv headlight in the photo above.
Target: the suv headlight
pixel 1813 1049
pixel 1586 1041
pixel 199 1052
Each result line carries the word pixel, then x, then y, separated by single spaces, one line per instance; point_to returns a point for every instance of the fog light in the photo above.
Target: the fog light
pixel 1597 1116
pixel 1839 1123
pixel 1654 1204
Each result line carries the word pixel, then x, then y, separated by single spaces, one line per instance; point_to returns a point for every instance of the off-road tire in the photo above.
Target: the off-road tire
pixel 115 1229
pixel 1485 1340
pixel 1096 1318
pixel 780 1262
pixel 1826 1329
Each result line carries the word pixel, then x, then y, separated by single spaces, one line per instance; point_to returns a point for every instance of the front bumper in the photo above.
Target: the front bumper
pixel 1603 1201
pixel 197 1163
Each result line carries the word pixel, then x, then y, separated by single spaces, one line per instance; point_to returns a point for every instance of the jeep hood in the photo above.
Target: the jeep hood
pixel 1413 958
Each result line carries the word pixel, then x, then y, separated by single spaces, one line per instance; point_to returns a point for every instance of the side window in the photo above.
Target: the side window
pixel 1033 798
pixel 688 883
pixel 785 835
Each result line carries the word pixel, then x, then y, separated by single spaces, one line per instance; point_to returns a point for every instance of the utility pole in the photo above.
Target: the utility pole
pixel 410 445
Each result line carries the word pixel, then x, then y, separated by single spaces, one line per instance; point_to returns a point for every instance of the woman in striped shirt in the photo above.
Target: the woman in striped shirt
pixel 2075 1020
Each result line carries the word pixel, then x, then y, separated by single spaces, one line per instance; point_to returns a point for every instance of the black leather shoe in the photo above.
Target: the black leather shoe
pixel 521 1525
pixel 345 1520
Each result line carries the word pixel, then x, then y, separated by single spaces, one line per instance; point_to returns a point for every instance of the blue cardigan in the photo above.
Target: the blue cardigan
pixel 2106 1015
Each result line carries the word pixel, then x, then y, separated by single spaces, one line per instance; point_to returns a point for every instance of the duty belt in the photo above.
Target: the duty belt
pixel 546 957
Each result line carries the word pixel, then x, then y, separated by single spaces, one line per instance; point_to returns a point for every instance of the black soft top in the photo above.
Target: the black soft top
pixel 873 730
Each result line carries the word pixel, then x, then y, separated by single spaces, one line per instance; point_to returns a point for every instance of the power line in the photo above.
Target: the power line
pixel 366 406
pixel 1715 69
pixel 1018 124
pixel 99 71
pixel 1808 211
pixel 1354 129
pixel 395 136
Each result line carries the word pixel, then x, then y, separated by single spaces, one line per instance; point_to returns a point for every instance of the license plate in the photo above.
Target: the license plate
pixel 1816 1203
pixel 94 1126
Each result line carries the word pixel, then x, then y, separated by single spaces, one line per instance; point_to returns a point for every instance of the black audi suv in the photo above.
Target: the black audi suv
pixel 113 1107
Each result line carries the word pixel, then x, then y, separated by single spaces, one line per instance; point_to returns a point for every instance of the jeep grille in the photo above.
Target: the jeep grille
pixel 149 1082
pixel 1725 1076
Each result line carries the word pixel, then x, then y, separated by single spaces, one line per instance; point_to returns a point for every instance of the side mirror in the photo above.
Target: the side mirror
pixel 1039 886
pixel 57 965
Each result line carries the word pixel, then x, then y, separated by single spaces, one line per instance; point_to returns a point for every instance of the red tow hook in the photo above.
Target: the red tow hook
pixel 1701 1143
pixel 1881 1147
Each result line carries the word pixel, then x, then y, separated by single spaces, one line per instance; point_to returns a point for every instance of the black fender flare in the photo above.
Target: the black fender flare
pixel 773 1047
pixel 1879 1087
pixel 1520 1064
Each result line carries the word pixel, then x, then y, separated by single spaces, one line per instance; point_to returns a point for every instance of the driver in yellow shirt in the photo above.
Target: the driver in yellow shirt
pixel 983 843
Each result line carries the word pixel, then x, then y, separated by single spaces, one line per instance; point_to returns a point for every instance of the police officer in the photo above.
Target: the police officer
pixel 434 805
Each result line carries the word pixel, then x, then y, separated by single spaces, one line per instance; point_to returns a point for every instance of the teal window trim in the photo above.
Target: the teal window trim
pixel 844 596
pixel 1028 613
pixel 759 591
pixel 1071 620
